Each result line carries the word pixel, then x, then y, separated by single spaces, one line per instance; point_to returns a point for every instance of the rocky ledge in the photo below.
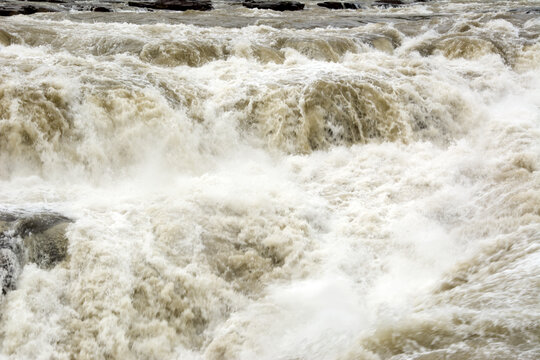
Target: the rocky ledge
pixel 177 5
pixel 30 238
pixel 20 8
pixel 14 7
pixel 23 7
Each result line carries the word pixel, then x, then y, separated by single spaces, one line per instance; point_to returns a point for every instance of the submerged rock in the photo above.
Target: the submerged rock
pixel 52 1
pixel 5 38
pixel 38 238
pixel 388 3
pixel 178 5
pixel 526 10
pixel 274 5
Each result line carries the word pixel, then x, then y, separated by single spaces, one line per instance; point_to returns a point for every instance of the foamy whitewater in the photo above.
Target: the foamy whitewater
pixel 248 184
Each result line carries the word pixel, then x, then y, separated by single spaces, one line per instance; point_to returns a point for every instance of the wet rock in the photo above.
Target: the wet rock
pixel 38 238
pixel 43 238
pixel 36 223
pixel 336 5
pixel 388 3
pixel 95 7
pixel 177 5
pixel 11 258
pixel 9 9
pixel 274 5
pixel 101 9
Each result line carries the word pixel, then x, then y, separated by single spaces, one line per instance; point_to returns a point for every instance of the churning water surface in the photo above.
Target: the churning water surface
pixel 246 184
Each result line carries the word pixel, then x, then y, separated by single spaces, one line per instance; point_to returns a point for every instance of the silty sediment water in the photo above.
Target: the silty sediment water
pixel 248 184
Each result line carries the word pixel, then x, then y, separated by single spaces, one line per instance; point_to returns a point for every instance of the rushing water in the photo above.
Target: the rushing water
pixel 246 184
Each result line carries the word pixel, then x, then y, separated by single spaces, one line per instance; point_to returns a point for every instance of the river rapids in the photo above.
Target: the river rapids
pixel 250 184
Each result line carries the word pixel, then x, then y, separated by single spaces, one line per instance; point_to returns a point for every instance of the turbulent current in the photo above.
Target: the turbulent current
pixel 250 184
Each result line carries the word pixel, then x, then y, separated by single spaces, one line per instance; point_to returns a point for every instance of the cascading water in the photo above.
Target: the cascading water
pixel 247 184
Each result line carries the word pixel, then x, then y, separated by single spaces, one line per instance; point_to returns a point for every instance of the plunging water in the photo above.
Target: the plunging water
pixel 247 184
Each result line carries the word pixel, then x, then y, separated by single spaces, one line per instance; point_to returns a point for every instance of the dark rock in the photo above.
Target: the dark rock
pixel 96 7
pixel 9 9
pixel 9 270
pixel 101 9
pixel 178 5
pixel 37 223
pixel 336 5
pixel 274 5
pixel 388 3
pixel 11 258
pixel 38 238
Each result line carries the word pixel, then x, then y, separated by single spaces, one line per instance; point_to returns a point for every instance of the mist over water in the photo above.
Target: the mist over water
pixel 247 184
